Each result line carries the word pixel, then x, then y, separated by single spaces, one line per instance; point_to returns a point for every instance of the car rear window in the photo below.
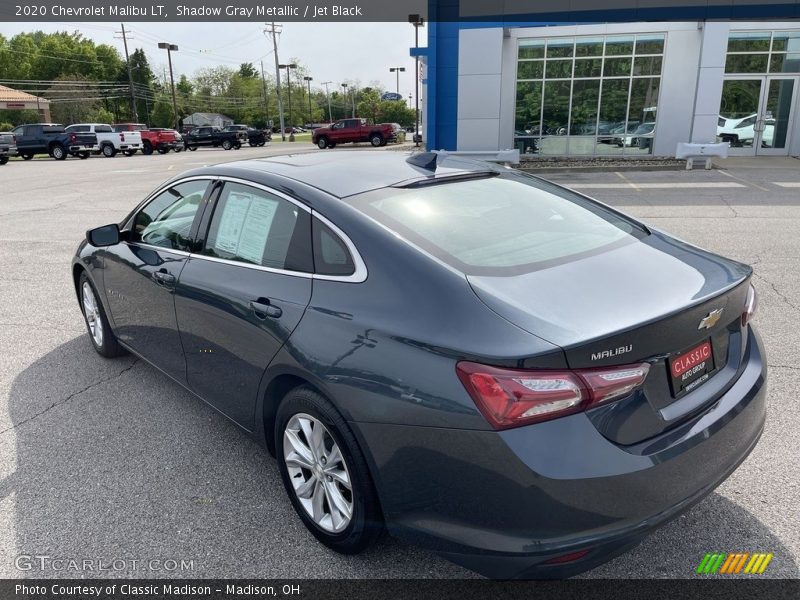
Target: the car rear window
pixel 501 225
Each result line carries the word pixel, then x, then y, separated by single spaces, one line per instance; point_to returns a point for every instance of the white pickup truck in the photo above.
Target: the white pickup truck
pixel 109 141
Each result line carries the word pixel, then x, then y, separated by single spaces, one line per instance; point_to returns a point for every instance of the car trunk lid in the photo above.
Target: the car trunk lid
pixel 640 302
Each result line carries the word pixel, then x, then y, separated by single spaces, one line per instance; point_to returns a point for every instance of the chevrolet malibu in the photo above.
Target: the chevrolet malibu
pixel 485 364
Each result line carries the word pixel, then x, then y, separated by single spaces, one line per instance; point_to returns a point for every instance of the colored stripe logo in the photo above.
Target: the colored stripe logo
pixel 734 564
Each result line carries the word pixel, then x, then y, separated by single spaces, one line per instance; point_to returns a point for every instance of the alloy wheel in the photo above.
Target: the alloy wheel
pixel 318 472
pixel 91 310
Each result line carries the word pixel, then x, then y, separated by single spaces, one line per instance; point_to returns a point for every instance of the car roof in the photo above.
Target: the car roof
pixel 350 172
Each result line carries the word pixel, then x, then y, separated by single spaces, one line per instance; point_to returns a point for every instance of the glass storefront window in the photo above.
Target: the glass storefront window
pixel 588 95
pixel 757 51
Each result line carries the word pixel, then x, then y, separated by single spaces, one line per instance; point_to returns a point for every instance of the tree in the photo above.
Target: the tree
pixel 248 71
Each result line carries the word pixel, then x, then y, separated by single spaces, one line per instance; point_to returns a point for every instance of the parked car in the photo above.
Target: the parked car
pixel 8 147
pixel 255 137
pixel 110 141
pixel 410 336
pixel 54 140
pixel 642 136
pixel 353 130
pixel 153 140
pixel 214 137
pixel 741 132
pixel 178 145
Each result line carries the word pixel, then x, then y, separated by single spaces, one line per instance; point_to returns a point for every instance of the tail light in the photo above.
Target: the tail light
pixel 750 306
pixel 121 137
pixel 14 140
pixel 514 397
pixel 73 138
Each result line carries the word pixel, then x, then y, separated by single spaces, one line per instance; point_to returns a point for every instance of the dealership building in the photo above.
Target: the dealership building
pixel 615 86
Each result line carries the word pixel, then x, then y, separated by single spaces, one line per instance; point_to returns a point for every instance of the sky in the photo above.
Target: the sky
pixel 334 52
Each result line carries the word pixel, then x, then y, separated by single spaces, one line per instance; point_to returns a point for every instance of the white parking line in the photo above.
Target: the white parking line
pixel 654 186
pixel 788 184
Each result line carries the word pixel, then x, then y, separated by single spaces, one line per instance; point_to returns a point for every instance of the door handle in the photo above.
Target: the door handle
pixel 164 278
pixel 263 309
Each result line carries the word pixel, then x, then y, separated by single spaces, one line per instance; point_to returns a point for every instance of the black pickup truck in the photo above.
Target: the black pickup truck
pixel 255 137
pixel 52 139
pixel 215 137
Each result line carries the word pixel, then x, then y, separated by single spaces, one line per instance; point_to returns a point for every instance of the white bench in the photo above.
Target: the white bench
pixel 507 157
pixel 691 152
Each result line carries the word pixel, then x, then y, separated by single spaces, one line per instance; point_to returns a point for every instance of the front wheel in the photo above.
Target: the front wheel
pixel 100 334
pixel 227 145
pixel 322 143
pixel 26 156
pixel 376 140
pixel 147 148
pixel 325 473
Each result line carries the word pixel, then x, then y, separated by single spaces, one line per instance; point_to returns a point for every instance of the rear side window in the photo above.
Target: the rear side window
pixel 501 225
pixel 255 227
pixel 331 256
pixel 103 129
pixel 79 128
pixel 167 220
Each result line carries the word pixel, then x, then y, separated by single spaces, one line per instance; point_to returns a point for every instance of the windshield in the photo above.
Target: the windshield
pixel 500 225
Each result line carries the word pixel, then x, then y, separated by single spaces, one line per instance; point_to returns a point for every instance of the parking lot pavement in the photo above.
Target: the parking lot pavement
pixel 111 460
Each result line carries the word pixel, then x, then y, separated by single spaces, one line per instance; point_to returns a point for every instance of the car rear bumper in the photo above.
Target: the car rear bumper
pixel 503 503
pixel 8 151
pixel 76 148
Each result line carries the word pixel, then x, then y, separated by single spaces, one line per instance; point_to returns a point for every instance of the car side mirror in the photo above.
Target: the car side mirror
pixel 107 235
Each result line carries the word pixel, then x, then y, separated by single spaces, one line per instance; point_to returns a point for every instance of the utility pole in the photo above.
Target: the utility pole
pixel 130 74
pixel 308 80
pixel 328 98
pixel 417 21
pixel 266 101
pixel 288 68
pixel 275 31
pixel 170 48
pixel 397 70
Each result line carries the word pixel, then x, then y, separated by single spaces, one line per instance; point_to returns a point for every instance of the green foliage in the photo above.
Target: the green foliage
pixel 5 126
pixel 19 117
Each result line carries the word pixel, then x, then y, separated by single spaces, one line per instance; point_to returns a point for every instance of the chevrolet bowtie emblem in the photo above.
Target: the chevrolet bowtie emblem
pixel 710 319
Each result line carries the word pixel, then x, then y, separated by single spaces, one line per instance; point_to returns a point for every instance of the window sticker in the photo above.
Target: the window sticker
pixel 245 224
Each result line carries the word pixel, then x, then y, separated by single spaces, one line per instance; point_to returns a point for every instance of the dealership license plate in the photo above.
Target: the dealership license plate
pixel 690 369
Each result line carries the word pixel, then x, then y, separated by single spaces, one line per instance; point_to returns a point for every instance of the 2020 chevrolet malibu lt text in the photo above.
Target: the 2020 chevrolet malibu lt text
pixel 510 374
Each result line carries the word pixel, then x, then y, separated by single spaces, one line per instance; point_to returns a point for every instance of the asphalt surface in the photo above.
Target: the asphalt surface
pixel 106 460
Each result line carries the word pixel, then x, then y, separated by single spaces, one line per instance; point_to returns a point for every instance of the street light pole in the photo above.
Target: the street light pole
pixel 416 21
pixel 397 70
pixel 308 80
pixel 328 98
pixel 170 48
pixel 289 88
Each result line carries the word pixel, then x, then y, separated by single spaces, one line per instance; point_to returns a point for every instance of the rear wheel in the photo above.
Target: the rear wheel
pixel 100 334
pixel 58 152
pixel 376 139
pixel 227 144
pixel 322 143
pixel 147 148
pixel 109 151
pixel 26 156
pixel 325 473
pixel 3 160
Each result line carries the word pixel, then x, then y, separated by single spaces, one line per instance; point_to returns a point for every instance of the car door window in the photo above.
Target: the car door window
pixel 255 227
pixel 167 220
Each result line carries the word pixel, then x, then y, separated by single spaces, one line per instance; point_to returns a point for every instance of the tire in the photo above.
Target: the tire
pixel 252 144
pixel 129 152
pixel 322 143
pixel 58 152
pixel 3 160
pixel 26 156
pixel 376 139
pixel 109 151
pixel 82 155
pixel 100 335
pixel 227 145
pixel 192 148
pixel 163 150
pixel 365 524
pixel 147 148
pixel 178 149
pixel 237 147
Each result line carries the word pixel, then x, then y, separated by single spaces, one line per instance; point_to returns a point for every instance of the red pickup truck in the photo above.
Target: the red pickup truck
pixel 160 140
pixel 353 130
